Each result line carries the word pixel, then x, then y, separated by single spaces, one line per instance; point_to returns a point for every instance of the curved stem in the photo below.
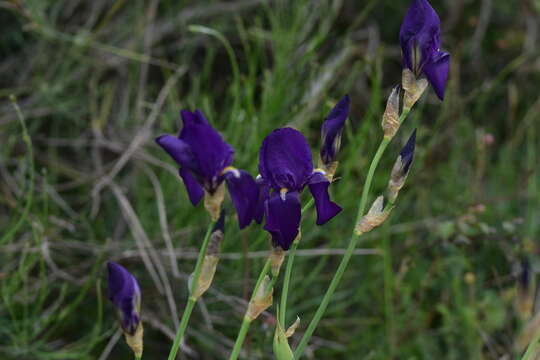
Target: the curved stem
pixel 348 253
pixel 192 300
pixel 246 322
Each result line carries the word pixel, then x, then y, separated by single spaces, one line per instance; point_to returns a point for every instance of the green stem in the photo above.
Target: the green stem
pixel 138 357
pixel 246 322
pixel 288 271
pixel 533 346
pixel 348 253
pixel 192 300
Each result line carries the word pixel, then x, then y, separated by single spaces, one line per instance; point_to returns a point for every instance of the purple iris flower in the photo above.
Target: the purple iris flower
pixel 205 162
pixel 125 294
pixel 286 168
pixel 331 130
pixel 420 41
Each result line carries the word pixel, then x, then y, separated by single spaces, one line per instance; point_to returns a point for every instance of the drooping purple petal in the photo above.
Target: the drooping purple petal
pixel 407 152
pixel 244 194
pixel 436 72
pixel 283 213
pixel 178 150
pixel 125 294
pixel 326 209
pixel 419 35
pixel 194 189
pixel 332 128
pixel 211 153
pixel 285 159
pixel 264 192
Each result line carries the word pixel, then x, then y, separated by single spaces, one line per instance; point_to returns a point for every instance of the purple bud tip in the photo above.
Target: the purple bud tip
pixel 407 153
pixel 220 224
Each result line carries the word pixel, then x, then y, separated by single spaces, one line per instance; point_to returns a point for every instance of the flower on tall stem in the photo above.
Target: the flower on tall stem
pixel 286 167
pixel 125 294
pixel 205 164
pixel 420 44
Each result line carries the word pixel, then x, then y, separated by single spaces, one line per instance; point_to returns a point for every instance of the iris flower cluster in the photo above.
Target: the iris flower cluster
pixel 205 165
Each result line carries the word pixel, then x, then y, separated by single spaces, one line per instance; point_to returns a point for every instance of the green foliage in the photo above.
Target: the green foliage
pixel 438 282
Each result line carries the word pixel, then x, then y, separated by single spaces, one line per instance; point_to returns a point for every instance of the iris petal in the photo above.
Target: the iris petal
pixel 194 189
pixel 332 128
pixel 211 153
pixel 178 150
pixel 264 192
pixel 283 218
pixel 436 72
pixel 419 35
pixel 244 194
pixel 326 209
pixel 285 159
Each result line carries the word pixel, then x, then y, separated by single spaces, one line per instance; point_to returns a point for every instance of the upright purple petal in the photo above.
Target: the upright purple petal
pixel 283 213
pixel 211 153
pixel 178 150
pixel 194 189
pixel 244 194
pixel 436 72
pixel 332 128
pixel 264 192
pixel 326 209
pixel 125 294
pixel 285 159
pixel 419 35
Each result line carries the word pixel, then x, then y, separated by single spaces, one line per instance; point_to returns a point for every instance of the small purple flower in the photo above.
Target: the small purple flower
pixel 205 162
pixel 420 41
pixel 125 294
pixel 331 130
pixel 286 168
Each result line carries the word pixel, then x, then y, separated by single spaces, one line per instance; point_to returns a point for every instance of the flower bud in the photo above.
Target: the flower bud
pixel 210 261
pixel 401 168
pixel 390 121
pixel 375 217
pixel 290 331
pixel 282 349
pixel 261 301
pixel 213 201
pixel 413 87
pixel 277 256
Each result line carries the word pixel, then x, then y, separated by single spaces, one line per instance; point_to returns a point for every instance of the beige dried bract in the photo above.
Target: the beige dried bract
pixel 375 217
pixel 135 341
pixel 413 87
pixel 212 202
pixel 208 269
pixel 390 122
pixel 262 300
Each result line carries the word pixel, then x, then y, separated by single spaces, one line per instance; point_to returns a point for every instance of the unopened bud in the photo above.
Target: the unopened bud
pixel 135 341
pixel 413 87
pixel 277 256
pixel 390 121
pixel 213 201
pixel 375 217
pixel 401 168
pixel 282 349
pixel 261 301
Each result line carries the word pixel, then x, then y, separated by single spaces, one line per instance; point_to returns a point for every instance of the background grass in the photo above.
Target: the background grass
pixel 97 80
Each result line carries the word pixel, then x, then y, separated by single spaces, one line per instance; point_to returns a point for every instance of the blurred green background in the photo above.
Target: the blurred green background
pixel 97 80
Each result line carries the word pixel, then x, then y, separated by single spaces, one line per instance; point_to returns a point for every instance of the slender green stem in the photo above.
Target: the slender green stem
pixel 246 322
pixel 348 253
pixel 192 300
pixel 352 245
pixel 138 357
pixel 286 282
